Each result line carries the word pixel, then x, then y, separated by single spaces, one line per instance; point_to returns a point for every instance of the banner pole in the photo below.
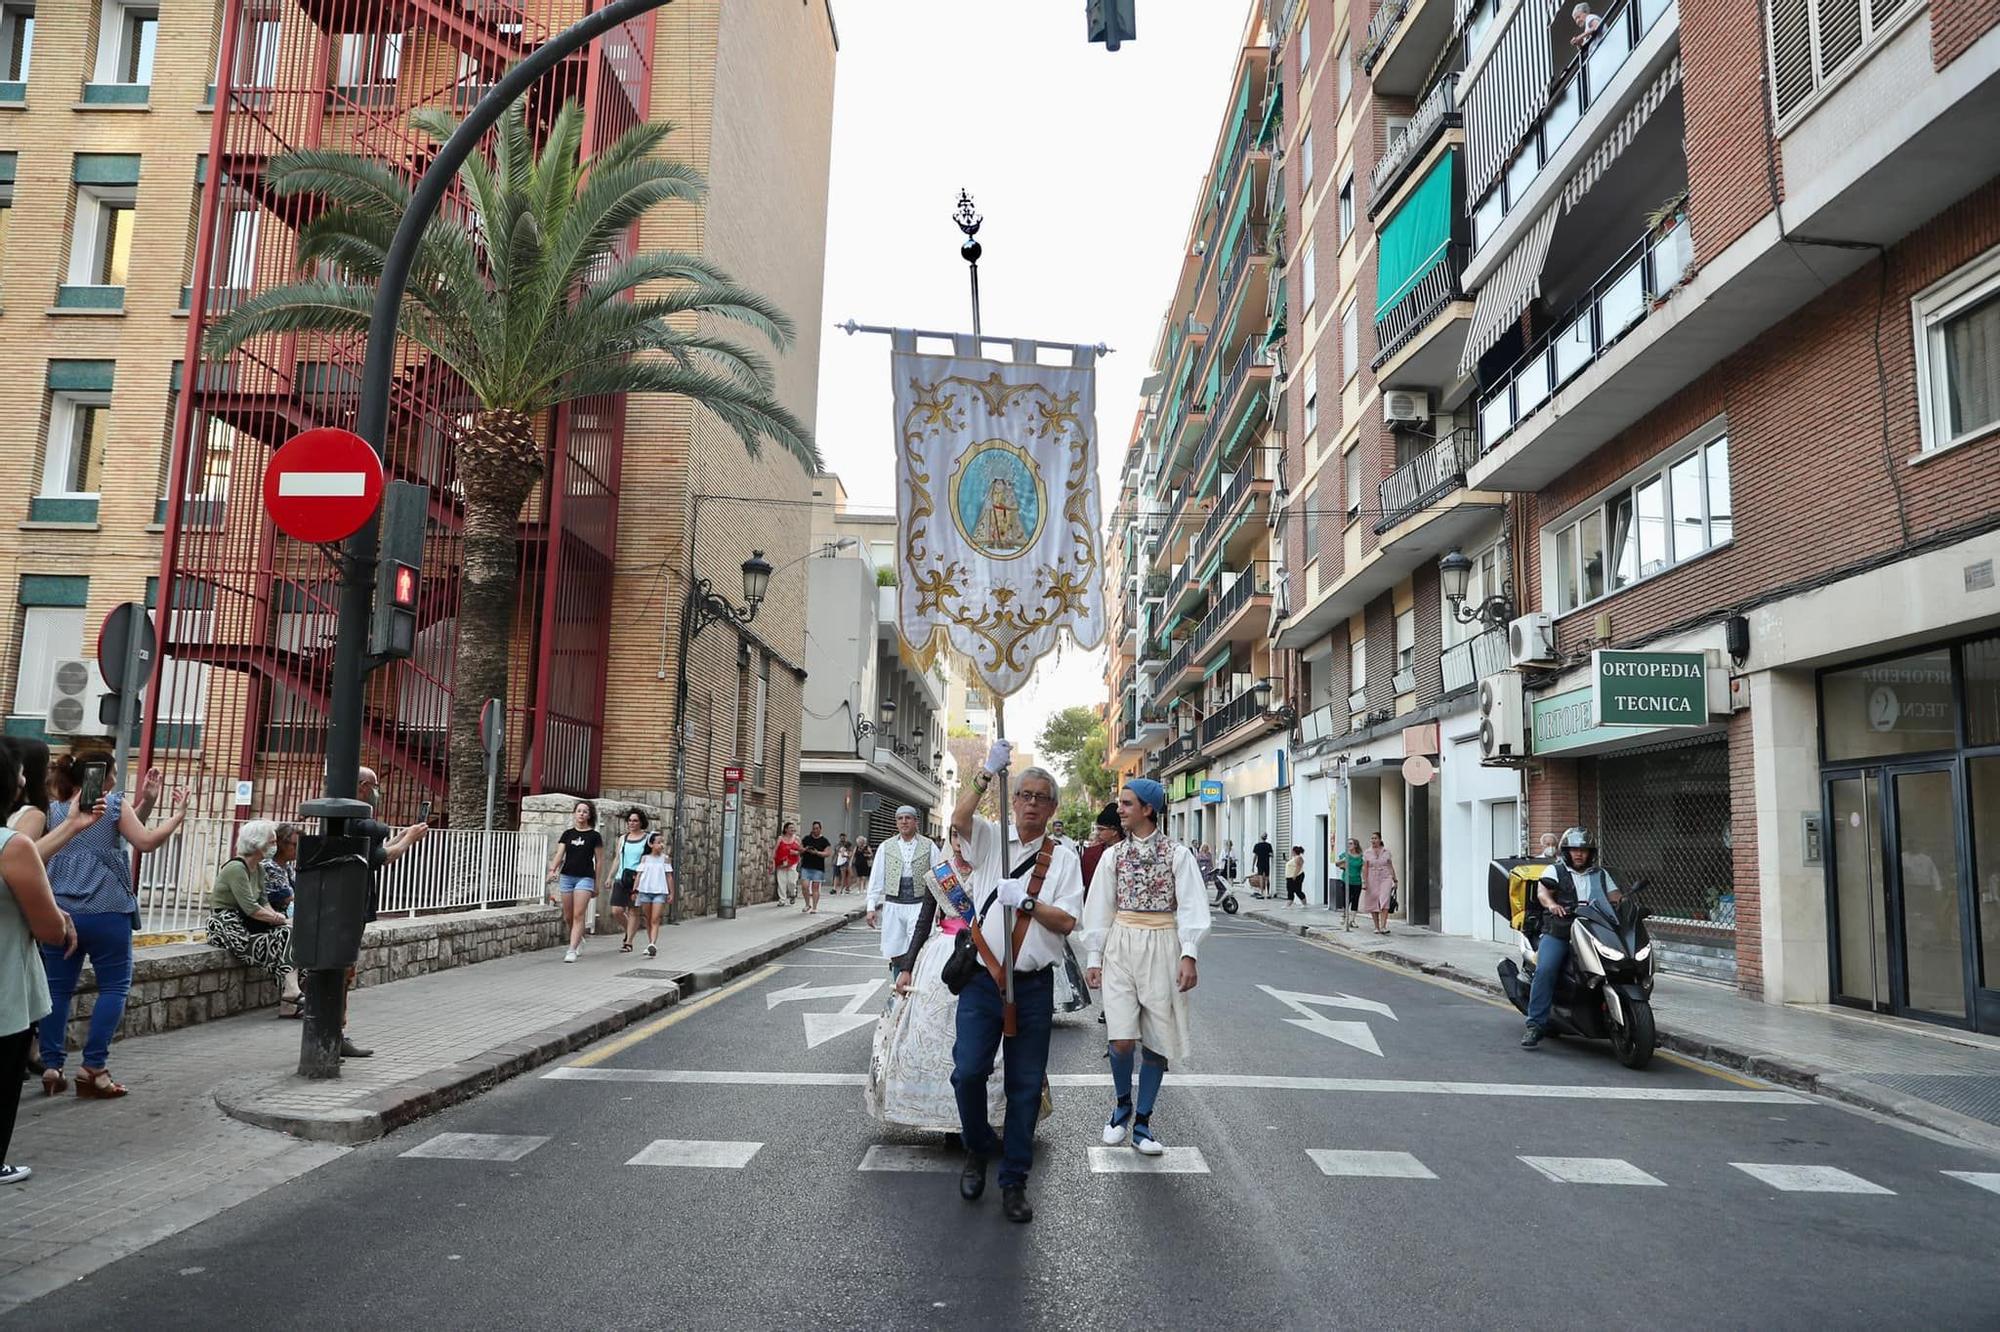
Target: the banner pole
pixel 1007 1019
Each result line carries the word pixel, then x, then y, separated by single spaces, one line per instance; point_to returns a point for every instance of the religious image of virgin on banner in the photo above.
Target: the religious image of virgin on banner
pixel 997 496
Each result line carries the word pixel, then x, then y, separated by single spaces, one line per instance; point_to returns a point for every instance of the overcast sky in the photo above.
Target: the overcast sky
pixel 1085 164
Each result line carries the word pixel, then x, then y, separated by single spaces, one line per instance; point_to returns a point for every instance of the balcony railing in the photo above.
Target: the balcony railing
pixel 1588 77
pixel 1401 322
pixel 1252 582
pixel 1466 664
pixel 1614 305
pixel 1252 703
pixel 1177 662
pixel 1154 587
pixel 1380 29
pixel 1437 113
pixel 1253 354
pixel 1253 245
pixel 1253 470
pixel 1182 749
pixel 1427 478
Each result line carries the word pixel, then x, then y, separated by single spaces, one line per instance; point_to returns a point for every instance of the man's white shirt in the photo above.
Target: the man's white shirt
pixel 1191 913
pixel 1062 889
pixel 879 887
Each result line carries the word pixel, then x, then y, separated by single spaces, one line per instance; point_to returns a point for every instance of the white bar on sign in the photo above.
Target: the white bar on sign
pixel 328 484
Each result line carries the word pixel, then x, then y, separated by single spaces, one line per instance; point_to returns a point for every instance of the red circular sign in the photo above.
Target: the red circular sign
pixel 323 485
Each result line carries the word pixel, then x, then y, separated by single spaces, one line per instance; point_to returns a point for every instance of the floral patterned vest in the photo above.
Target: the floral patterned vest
pixel 1146 874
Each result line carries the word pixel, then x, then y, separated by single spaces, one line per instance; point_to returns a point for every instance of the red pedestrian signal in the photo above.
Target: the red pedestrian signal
pixel 403 587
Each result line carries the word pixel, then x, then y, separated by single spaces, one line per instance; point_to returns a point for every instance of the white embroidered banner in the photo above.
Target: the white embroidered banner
pixel 997 496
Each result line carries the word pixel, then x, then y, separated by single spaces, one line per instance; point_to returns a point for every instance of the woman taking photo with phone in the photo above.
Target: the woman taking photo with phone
pixel 92 879
pixel 28 914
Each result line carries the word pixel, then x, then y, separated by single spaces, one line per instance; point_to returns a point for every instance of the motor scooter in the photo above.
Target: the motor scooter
pixel 1606 989
pixel 1225 896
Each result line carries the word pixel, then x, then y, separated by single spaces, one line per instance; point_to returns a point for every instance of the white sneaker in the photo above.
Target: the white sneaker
pixel 1147 1144
pixel 1116 1129
pixel 13 1174
pixel 652 950
pixel 570 956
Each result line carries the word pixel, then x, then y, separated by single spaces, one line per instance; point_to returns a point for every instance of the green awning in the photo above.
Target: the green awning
pixel 1415 237
pixel 1273 107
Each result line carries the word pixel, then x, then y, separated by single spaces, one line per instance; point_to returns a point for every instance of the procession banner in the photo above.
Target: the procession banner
pixel 997 499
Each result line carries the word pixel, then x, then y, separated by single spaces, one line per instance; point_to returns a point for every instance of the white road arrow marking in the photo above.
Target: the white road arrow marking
pixel 823 1027
pixel 1357 1034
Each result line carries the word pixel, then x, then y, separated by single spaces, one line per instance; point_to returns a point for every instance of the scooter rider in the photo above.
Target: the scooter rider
pixel 1575 877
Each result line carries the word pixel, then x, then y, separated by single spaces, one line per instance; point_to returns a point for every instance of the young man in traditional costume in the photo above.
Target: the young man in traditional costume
pixel 896 889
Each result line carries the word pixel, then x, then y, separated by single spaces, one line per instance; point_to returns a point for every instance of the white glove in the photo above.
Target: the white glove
pixel 999 756
pixel 1011 894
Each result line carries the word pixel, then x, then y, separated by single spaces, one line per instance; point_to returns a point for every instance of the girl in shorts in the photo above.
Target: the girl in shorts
pixel 655 889
pixel 576 866
pixel 631 848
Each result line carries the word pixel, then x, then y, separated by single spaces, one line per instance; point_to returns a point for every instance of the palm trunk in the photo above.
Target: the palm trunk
pixel 499 459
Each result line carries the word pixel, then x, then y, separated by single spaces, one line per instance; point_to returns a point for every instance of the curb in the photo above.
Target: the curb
pixel 389 1109
pixel 1796 1075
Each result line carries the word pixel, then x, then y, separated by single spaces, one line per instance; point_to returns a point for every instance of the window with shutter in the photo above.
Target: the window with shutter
pixel 1815 42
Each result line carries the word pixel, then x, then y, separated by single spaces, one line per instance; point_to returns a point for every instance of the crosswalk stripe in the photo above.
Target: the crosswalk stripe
pixel 1809 1178
pixel 1590 1170
pixel 1126 1161
pixel 1369 1165
pixel 1979 1179
pixel 475 1147
pixel 928 1159
pixel 697 1154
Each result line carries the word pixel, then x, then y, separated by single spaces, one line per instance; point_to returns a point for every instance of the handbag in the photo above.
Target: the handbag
pixel 966 958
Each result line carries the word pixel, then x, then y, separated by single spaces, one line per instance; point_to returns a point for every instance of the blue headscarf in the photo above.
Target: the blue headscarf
pixel 1151 794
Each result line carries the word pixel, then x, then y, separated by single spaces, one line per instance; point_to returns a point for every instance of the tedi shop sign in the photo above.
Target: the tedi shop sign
pixel 1649 688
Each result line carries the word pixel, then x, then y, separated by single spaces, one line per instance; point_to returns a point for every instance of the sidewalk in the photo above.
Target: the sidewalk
pixel 112 1177
pixel 1941 1078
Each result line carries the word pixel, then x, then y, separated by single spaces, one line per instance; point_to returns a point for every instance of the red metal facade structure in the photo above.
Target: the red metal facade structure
pixel 248 623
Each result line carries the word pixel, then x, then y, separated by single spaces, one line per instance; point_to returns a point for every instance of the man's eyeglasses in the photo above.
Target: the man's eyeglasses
pixel 1039 797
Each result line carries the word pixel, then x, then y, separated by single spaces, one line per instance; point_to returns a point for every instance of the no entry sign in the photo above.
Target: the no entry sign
pixel 323 485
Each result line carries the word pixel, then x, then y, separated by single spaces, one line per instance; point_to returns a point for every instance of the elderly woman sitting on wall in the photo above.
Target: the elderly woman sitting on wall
pixel 245 925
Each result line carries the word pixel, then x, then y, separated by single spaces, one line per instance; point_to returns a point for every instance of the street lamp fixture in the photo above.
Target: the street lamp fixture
pixel 1455 573
pixel 710 606
pixel 863 727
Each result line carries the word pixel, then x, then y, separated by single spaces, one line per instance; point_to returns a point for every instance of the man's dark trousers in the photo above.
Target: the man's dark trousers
pixel 979 1018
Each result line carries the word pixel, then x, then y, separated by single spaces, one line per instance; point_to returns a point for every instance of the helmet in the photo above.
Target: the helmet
pixel 1578 838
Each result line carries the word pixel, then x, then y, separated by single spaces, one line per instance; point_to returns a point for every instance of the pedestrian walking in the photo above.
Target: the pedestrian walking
pixel 28 916
pixel 1142 929
pixel 1228 855
pixel 1295 877
pixel 1350 864
pixel 576 868
pixel 843 865
pixel 243 923
pixel 1378 882
pixel 631 849
pixel 1037 884
pixel 863 863
pixel 655 889
pixel 92 879
pixel 1261 856
pixel 785 865
pixel 813 850
pixel 896 888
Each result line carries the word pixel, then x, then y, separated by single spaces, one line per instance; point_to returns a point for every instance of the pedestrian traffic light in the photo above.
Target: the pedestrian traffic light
pixel 392 630
pixel 1112 22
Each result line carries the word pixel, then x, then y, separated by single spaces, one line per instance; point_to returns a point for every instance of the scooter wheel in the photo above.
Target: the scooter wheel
pixel 1633 1043
pixel 1229 905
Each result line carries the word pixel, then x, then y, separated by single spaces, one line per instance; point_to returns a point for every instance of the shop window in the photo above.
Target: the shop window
pixel 17 49
pixel 1958 355
pixel 1679 508
pixel 1900 706
pixel 1982 696
pixel 1663 817
pixel 1985 778
pixel 73 463
pixel 48 634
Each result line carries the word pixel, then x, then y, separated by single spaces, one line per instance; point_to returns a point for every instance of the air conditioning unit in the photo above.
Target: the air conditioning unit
pixel 1404 406
pixel 75 696
pixel 1531 640
pixel 1502 718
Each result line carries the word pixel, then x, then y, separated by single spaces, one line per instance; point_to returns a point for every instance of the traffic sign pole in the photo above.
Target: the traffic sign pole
pixel 732 805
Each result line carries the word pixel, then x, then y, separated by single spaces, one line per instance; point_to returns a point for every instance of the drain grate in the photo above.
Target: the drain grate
pixel 1976 1096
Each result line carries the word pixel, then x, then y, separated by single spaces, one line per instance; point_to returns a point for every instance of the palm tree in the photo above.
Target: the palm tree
pixel 523 295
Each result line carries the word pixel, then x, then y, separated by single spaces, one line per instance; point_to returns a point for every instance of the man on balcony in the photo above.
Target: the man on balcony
pixel 1587 25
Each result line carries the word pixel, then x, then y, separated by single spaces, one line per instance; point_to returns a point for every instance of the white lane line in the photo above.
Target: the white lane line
pixel 1809 1179
pixel 475 1147
pixel 697 1154
pixel 1125 1161
pixel 1979 1179
pixel 1590 1170
pixel 1368 1165
pixel 927 1159
pixel 1219 1082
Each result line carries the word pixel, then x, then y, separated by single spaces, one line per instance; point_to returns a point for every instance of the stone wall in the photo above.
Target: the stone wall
pixel 699 873
pixel 177 985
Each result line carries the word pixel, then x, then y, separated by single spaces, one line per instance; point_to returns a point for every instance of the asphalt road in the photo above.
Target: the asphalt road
pixel 1471 1226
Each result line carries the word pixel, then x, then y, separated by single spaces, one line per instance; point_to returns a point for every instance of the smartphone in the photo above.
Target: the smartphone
pixel 424 812
pixel 95 775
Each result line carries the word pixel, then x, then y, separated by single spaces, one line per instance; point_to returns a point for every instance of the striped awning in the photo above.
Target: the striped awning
pixel 1502 101
pixel 1621 134
pixel 1507 293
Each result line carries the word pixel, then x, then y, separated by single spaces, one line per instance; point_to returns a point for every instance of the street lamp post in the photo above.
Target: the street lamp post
pixel 1455 574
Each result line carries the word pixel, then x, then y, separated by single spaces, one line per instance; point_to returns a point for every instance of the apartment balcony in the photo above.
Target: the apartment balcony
pixel 1184 752
pixel 1419 339
pixel 1466 664
pixel 1528 434
pixel 1178 672
pixel 1233 525
pixel 1238 403
pixel 1184 592
pixel 1241 613
pixel 1404 40
pixel 1437 115
pixel 1419 484
pixel 1255 712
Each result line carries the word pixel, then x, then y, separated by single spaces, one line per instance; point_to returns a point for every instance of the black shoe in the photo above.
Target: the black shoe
pixel 1014 1203
pixel 349 1050
pixel 972 1179
pixel 1531 1038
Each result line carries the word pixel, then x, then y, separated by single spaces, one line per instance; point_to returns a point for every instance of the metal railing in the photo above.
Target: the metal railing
pixel 1252 703
pixel 1380 29
pixel 1427 478
pixel 449 870
pixel 1178 661
pixel 1182 577
pixel 1253 582
pixel 1410 315
pixel 1614 305
pixel 1435 114
pixel 1184 747
pixel 1464 665
pixel 1253 354
pixel 1253 470
pixel 1253 245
